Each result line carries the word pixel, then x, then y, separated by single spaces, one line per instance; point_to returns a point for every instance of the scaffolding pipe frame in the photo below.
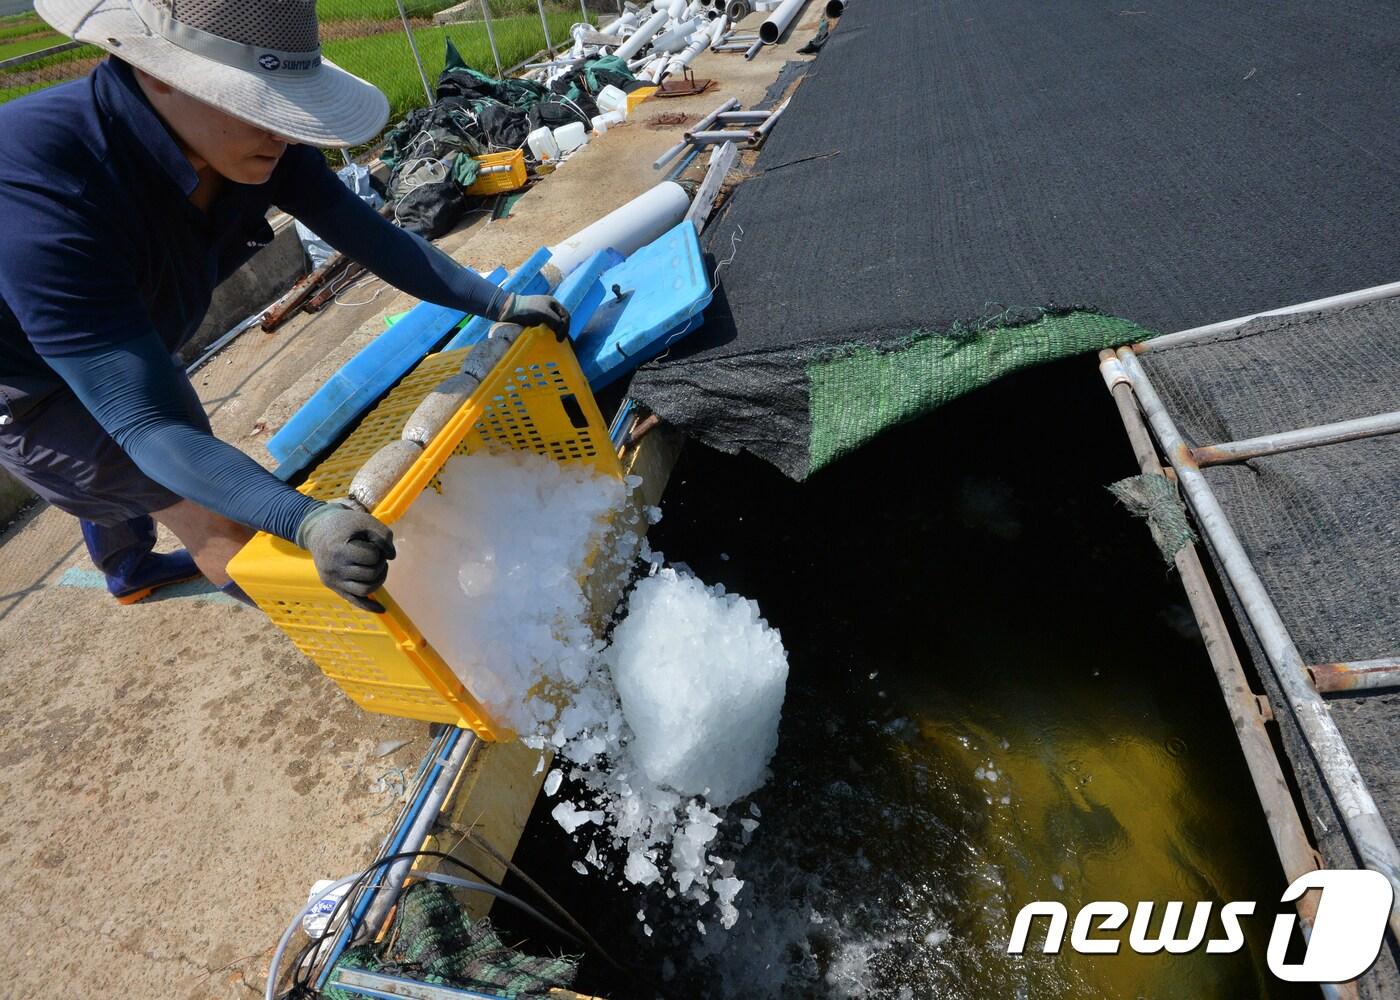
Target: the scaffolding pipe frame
pixel 1358 675
pixel 417 58
pixel 1221 330
pixel 1365 827
pixel 491 37
pixel 1297 440
pixel 1248 712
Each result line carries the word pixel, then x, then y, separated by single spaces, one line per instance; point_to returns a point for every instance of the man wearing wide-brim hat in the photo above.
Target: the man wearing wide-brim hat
pixel 127 197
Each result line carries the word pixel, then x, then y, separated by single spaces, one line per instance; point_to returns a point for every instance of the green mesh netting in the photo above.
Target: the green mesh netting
pixel 1155 499
pixel 860 391
pixel 434 940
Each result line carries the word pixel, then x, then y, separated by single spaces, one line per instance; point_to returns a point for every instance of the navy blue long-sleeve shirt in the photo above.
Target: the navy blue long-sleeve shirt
pixel 106 269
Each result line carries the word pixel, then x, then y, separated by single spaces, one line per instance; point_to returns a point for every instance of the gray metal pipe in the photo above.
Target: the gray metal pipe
pixel 710 138
pixel 737 47
pixel 544 24
pixel 703 123
pixel 1200 334
pixel 1248 713
pixel 753 49
pixel 1356 676
pixel 762 131
pixel 1304 437
pixel 1367 830
pixel 491 37
pixel 745 117
pixel 413 45
pixel 772 29
pixel 392 884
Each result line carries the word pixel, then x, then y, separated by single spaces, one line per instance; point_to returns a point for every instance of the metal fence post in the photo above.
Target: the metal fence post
pixel 544 23
pixel 417 59
pixel 491 37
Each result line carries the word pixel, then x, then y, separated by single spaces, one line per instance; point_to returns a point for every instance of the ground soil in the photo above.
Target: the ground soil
pixel 175 774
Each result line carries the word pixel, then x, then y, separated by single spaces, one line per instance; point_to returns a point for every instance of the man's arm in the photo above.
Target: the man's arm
pixel 405 260
pixel 316 197
pixel 133 390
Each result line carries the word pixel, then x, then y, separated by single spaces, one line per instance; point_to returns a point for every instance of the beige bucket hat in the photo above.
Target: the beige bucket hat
pixel 258 60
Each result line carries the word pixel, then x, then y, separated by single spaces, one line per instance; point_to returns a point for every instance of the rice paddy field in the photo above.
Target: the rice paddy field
pixel 365 37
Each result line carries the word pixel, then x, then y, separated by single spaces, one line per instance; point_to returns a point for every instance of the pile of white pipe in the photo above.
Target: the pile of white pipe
pixel 656 40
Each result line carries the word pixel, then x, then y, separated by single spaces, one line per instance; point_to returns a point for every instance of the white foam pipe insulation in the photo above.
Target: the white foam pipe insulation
pixel 643 219
pixel 642 35
pixel 772 29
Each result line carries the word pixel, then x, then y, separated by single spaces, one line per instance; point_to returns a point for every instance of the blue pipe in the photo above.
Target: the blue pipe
pixel 437 753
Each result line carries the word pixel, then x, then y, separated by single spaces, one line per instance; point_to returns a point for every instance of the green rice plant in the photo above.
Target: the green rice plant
pixel 378 10
pixel 58 59
pixel 386 61
pixel 32 43
pixel 10 93
pixel 20 25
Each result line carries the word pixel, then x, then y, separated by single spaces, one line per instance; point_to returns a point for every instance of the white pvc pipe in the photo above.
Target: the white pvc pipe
pixel 626 229
pixel 615 26
pixel 642 35
pixel 677 9
pixel 772 29
pixel 677 38
pixel 679 62
pixel 717 29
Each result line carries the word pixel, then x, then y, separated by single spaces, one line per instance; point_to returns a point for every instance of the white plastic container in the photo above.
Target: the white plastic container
pixel 317 917
pixel 543 146
pixel 570 137
pixel 601 123
pixel 612 98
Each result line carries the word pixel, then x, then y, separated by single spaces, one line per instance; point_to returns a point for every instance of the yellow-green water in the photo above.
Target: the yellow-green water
pixel 995 697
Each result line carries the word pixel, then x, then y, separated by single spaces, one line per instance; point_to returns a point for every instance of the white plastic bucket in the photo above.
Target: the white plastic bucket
pixel 611 98
pixel 542 144
pixel 570 137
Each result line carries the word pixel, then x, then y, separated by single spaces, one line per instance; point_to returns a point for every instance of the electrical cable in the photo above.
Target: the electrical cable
pixel 306 959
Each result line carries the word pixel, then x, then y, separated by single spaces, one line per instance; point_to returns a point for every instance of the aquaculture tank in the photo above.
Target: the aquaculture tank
pixel 996 695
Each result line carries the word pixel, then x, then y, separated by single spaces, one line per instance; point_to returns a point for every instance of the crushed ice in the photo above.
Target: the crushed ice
pixel 658 732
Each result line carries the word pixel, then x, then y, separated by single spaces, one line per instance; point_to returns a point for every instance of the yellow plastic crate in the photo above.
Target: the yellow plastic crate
pixel 535 399
pixel 507 180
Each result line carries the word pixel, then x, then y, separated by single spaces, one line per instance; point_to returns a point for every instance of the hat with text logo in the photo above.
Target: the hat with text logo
pixel 258 60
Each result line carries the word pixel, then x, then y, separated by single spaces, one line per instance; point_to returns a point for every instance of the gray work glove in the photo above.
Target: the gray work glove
pixel 351 550
pixel 536 310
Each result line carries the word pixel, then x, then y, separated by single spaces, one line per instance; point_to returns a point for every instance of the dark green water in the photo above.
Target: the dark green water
pixel 995 696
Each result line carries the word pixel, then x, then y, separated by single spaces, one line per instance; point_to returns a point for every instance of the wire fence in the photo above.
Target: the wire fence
pixel 398 46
